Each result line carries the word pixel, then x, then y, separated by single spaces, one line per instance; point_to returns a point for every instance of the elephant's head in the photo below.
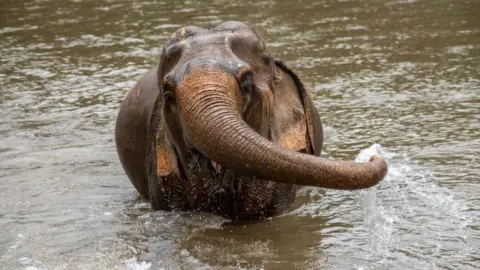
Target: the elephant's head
pixel 224 96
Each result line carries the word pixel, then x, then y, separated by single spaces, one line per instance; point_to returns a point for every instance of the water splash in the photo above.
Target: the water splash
pixel 134 264
pixel 408 212
pixel 377 221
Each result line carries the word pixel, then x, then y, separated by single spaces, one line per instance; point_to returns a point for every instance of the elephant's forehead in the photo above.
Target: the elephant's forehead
pixel 184 33
pixel 192 35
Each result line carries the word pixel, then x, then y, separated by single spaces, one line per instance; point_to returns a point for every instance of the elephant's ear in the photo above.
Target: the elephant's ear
pixel 162 164
pixel 161 147
pixel 162 167
pixel 296 124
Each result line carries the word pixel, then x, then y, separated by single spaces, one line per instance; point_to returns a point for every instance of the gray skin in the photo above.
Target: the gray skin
pixel 219 125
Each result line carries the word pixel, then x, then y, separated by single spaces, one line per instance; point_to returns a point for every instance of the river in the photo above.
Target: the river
pixel 398 77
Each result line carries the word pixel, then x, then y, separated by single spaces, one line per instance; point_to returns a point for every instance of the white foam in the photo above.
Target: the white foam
pixel 134 264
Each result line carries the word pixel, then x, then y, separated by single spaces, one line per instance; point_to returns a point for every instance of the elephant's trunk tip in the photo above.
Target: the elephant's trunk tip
pixel 380 168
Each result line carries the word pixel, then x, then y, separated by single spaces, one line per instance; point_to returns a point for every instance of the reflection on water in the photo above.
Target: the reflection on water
pixel 403 74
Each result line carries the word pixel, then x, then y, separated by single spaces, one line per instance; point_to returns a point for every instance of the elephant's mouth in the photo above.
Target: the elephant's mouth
pixel 235 194
pixel 217 168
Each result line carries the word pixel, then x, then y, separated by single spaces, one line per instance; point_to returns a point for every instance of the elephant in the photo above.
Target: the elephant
pixel 220 125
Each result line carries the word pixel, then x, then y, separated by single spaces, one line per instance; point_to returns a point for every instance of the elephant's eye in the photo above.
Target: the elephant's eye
pixel 246 82
pixel 168 96
pixel 247 88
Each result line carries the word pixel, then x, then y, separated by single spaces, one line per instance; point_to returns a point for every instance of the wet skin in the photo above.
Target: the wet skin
pixel 220 125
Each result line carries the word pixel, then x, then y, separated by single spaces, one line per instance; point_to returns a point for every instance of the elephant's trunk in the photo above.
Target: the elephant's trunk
pixel 210 104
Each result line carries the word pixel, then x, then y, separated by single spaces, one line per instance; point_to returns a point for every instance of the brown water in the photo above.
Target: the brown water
pixel 401 74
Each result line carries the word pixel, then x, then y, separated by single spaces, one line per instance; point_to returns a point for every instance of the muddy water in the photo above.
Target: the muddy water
pixel 397 77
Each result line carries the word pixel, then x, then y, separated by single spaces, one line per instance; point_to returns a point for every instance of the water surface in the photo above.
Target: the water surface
pixel 398 77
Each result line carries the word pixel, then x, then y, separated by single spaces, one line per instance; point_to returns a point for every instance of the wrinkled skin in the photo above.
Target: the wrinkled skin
pixel 222 126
